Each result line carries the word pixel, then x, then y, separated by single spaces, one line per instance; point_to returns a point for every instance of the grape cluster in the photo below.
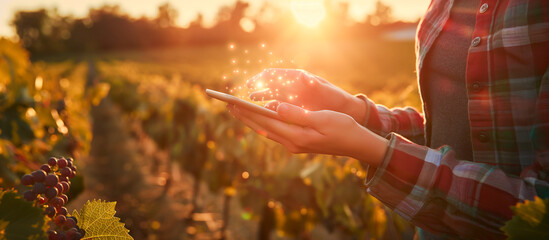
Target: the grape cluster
pixel 49 185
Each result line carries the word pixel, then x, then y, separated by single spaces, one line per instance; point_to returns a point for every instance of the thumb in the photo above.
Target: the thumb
pixel 294 114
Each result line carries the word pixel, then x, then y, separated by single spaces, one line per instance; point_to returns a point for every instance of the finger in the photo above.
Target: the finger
pixel 271 125
pixel 309 119
pixel 294 114
pixel 263 95
pixel 258 129
pixel 273 105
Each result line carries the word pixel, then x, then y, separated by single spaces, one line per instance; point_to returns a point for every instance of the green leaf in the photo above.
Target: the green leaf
pixel 98 220
pixel 19 219
pixel 531 220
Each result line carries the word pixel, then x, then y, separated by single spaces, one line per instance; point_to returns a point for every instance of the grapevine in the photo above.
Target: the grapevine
pixel 49 185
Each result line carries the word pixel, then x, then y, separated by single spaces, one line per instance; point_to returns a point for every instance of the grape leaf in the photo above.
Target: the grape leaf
pixel 19 219
pixel 531 220
pixel 98 220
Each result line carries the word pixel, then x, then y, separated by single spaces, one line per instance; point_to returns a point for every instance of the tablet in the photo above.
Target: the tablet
pixel 242 103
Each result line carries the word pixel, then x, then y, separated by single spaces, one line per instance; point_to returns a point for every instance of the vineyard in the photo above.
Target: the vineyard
pixel 143 134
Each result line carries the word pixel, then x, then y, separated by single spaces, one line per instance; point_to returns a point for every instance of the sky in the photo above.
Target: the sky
pixel 188 9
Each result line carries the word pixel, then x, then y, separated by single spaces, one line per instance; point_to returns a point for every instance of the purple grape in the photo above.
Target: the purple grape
pixel 59 187
pixel 50 211
pixel 64 179
pixel 62 211
pixel 51 193
pixel 46 168
pixel 65 198
pixel 60 220
pixel 27 180
pixel 61 163
pixel 65 172
pixel 39 188
pixel 51 180
pixel 66 186
pixel 70 223
pixel 39 175
pixel 52 161
pixel 52 235
pixel 57 202
pixel 29 195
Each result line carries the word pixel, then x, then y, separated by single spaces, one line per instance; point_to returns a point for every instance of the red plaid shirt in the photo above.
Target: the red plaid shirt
pixel 507 81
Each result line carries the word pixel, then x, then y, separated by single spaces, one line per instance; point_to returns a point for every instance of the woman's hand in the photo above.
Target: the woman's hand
pixel 304 89
pixel 324 132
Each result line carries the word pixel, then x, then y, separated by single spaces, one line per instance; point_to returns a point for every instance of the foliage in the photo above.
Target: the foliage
pixel 531 220
pixel 299 191
pixel 19 219
pixel 98 221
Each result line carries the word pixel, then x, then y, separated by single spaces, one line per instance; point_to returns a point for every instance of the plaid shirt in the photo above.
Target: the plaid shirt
pixel 507 81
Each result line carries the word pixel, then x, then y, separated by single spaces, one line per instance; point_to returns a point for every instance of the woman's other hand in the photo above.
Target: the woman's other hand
pixel 304 89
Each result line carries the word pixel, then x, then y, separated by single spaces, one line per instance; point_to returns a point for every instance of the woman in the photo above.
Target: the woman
pixel 482 144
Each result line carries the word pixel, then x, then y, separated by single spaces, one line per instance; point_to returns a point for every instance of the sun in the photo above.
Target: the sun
pixel 308 12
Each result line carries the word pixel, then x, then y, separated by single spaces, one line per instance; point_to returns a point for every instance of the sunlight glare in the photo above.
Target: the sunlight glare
pixel 308 12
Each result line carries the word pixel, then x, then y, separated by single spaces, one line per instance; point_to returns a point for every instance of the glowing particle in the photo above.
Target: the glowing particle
pixel 291 97
pixel 245 175
pixel 270 53
pixel 259 85
pixel 224 77
pixel 233 61
pixel 246 51
pixel 311 81
pixel 263 45
pixel 232 46
pixel 210 144
pixel 248 61
pixel 260 61
pixel 38 82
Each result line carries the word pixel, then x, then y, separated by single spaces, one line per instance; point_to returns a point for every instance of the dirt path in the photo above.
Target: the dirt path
pixel 125 166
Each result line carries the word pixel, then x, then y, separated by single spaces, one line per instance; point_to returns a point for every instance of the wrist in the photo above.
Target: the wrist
pixel 357 108
pixel 369 148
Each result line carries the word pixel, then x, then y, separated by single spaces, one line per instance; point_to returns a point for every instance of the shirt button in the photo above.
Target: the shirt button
pixel 483 137
pixel 475 87
pixel 475 42
pixel 483 8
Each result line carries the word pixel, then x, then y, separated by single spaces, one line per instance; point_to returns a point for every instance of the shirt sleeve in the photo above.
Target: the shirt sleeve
pixel 381 120
pixel 441 194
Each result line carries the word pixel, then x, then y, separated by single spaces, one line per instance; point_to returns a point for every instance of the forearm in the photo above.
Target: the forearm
pixel 442 194
pixel 356 108
pixel 367 147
